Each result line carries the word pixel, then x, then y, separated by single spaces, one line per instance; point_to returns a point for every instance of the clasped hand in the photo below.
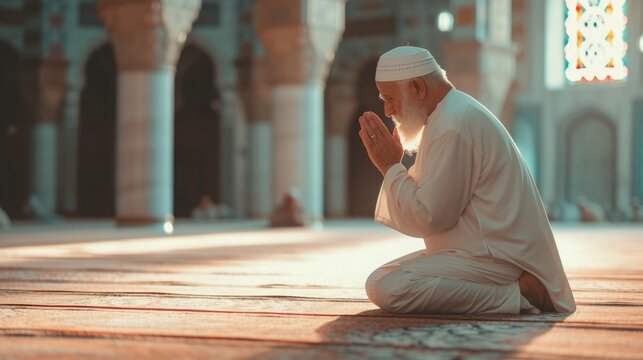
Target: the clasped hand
pixel 384 149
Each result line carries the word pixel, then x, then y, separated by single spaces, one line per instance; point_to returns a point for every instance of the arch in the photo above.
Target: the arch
pixel 351 59
pixel 15 135
pixel 196 140
pixel 364 180
pixel 206 46
pixel 97 135
pixel 196 131
pixel 86 50
pixel 590 159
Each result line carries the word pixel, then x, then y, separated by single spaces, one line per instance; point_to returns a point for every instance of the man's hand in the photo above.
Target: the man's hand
pixel 383 149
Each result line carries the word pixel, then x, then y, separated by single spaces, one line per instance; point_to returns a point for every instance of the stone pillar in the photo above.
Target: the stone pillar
pixel 480 59
pixel 342 104
pixel 147 36
pixel 68 202
pixel 232 139
pixel 43 87
pixel 300 37
pixel 254 88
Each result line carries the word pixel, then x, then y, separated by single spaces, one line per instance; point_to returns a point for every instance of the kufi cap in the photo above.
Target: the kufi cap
pixel 405 62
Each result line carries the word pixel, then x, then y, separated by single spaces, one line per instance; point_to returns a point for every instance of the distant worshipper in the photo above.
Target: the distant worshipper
pixel 469 195
pixel 5 222
pixel 636 210
pixel 40 211
pixel 205 210
pixel 288 212
pixel 590 211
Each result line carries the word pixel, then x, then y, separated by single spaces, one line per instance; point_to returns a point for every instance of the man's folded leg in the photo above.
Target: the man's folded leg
pixel 404 292
pixel 447 284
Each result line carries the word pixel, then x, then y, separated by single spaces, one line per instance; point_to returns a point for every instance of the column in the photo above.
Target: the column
pixel 69 143
pixel 480 59
pixel 300 44
pixel 342 105
pixel 43 86
pixel 233 138
pixel 254 88
pixel 147 36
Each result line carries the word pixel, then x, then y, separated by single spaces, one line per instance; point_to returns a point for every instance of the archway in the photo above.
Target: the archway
pixel 364 179
pixel 196 131
pixel 15 138
pixel 97 135
pixel 591 160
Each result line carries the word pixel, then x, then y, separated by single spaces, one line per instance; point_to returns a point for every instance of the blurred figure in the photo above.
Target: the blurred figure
pixel 288 212
pixel 206 210
pixel 5 222
pixel 554 212
pixel 40 211
pixel 636 210
pixel 590 211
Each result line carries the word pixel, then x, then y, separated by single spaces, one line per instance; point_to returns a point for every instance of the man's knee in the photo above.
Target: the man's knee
pixel 387 290
pixel 372 283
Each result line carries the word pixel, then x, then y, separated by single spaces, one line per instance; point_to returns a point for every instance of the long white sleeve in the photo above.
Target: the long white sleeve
pixel 433 200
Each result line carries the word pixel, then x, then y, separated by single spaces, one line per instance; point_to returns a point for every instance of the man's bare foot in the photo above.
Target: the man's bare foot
pixel 534 291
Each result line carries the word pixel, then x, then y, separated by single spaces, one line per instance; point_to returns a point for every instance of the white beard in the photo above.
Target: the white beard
pixel 410 129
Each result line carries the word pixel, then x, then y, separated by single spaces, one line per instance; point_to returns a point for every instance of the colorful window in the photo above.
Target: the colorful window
pixel 595 49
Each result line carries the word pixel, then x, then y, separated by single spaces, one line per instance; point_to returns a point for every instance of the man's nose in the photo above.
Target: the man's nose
pixel 389 110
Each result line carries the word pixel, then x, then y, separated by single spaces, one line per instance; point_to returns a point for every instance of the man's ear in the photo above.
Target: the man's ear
pixel 418 87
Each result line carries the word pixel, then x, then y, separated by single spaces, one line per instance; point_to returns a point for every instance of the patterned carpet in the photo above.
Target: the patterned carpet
pixel 239 291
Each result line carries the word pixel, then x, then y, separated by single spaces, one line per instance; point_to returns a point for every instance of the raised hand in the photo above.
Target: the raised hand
pixel 384 149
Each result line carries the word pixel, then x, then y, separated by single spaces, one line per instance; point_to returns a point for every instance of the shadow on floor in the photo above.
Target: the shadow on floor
pixel 376 334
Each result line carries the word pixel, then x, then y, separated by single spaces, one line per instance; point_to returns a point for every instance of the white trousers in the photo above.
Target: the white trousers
pixel 445 283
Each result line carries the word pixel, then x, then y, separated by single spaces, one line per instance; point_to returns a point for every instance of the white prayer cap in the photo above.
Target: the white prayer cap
pixel 405 62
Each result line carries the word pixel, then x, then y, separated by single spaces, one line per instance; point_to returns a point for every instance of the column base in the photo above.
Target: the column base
pixel 315 223
pixel 166 223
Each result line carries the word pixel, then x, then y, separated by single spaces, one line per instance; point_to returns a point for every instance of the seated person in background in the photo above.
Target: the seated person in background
pixel 36 208
pixel 206 210
pixel 5 222
pixel 636 210
pixel 590 211
pixel 288 212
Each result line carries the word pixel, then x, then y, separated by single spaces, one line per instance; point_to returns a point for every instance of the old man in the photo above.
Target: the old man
pixel 469 195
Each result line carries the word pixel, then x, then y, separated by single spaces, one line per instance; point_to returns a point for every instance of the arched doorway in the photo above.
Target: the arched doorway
pixel 97 135
pixel 591 160
pixel 364 179
pixel 15 138
pixel 196 134
pixel 196 131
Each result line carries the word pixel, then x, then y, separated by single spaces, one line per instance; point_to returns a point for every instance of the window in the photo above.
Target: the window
pixel 596 46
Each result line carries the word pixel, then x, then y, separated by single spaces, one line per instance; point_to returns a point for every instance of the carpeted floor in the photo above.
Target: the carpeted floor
pixel 88 290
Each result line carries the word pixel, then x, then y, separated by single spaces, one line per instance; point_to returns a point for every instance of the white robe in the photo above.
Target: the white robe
pixel 470 193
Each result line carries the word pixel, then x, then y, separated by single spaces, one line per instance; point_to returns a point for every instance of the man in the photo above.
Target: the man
pixel 205 210
pixel 288 212
pixel 489 245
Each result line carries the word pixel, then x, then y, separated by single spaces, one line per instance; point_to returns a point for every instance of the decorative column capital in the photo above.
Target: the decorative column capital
pixel 43 86
pixel 148 34
pixel 300 37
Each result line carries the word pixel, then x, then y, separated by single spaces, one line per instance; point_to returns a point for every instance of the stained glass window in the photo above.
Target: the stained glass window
pixel 595 48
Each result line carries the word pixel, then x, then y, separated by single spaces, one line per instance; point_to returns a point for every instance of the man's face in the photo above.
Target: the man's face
pixel 403 107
